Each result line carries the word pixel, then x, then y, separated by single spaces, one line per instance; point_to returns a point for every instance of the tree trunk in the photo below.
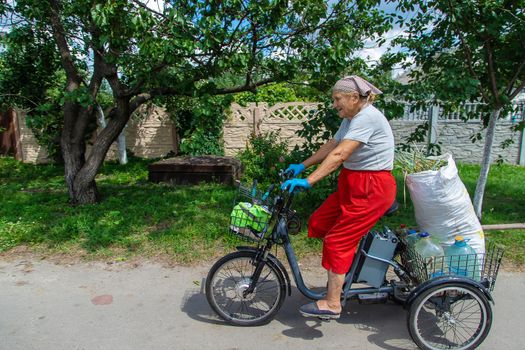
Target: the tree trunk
pixel 81 190
pixel 80 172
pixel 73 151
pixel 485 163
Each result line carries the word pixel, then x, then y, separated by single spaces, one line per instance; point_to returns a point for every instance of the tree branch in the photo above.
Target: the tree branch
pixel 145 97
pixel 517 91
pixel 19 95
pixel 254 53
pixel 136 89
pixel 492 71
pixel 149 9
pixel 468 55
pixel 291 34
pixel 98 70
pixel 242 88
pixel 65 53
pixel 138 100
pixel 515 77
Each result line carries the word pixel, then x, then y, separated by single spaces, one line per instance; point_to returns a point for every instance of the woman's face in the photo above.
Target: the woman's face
pixel 346 104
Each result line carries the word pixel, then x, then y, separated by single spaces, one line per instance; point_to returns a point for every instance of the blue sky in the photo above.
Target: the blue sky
pixel 372 53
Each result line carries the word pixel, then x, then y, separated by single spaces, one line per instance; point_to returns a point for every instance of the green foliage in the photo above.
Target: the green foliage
pixel 186 223
pixel 199 122
pixel 264 156
pixel 137 217
pixel 201 142
pixel 28 62
pixel 467 51
pixel 464 50
pixel 271 94
pixel 184 49
pixel 30 80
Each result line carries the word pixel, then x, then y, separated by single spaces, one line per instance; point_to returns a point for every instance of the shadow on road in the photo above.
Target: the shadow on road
pixel 386 323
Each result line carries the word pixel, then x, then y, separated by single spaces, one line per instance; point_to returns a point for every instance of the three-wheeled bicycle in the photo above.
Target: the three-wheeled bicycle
pixel 446 309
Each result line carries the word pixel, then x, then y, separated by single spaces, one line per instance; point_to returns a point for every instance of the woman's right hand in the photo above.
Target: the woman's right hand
pixel 295 169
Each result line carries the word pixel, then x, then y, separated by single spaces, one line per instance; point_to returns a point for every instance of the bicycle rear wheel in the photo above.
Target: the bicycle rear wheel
pixel 450 316
pixel 231 276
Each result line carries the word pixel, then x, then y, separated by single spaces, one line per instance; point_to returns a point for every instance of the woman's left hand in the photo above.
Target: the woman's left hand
pixel 292 184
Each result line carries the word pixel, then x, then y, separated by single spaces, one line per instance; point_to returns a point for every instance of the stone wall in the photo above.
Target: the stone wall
pixel 454 138
pixel 149 134
pixel 452 135
pixel 28 150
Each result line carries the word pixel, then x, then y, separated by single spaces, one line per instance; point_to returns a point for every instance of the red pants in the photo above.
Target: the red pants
pixel 361 199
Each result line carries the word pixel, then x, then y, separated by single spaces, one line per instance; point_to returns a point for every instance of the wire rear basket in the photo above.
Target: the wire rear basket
pixel 251 213
pixel 482 268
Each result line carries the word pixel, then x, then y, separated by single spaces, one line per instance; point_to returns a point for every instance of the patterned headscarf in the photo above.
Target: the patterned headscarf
pixel 355 83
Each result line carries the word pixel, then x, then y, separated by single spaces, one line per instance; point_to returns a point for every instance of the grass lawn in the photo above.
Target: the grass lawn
pixel 184 224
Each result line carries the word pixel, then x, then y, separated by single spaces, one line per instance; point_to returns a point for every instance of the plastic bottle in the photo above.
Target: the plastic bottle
pixel 402 231
pixel 432 254
pixel 412 237
pixel 462 259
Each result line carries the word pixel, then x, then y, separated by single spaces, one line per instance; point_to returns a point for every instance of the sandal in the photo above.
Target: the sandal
pixel 312 310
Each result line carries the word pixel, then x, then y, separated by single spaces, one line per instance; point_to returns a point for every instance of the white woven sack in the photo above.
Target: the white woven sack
pixel 443 207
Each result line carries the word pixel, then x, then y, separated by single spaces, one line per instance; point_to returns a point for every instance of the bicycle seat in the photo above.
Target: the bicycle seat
pixel 392 210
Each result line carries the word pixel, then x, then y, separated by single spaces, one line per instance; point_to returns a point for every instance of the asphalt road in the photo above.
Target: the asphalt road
pixel 98 306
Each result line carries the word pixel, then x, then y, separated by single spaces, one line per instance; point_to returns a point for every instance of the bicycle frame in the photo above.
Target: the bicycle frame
pixel 280 235
pixel 348 291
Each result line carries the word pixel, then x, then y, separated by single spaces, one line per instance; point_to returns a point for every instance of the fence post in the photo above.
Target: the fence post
pixel 433 114
pixel 521 149
pixel 257 117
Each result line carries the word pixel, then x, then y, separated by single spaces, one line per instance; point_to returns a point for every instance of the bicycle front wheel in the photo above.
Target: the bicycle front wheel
pixel 229 278
pixel 450 316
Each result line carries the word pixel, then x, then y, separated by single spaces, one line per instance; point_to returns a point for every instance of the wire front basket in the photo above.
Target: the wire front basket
pixel 482 268
pixel 251 213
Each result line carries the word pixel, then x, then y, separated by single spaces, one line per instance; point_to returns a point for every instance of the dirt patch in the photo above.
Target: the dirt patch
pixel 118 257
pixel 114 257
pixel 508 266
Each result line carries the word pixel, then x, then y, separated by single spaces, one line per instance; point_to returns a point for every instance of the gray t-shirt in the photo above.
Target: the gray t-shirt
pixel 371 128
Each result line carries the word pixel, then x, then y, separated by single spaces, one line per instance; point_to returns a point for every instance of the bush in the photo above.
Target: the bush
pixel 199 123
pixel 264 156
pixel 202 142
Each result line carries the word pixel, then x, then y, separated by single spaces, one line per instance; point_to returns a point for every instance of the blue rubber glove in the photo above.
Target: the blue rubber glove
pixel 293 184
pixel 296 169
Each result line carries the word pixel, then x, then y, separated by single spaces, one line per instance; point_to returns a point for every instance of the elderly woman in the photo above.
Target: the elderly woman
pixel 366 189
